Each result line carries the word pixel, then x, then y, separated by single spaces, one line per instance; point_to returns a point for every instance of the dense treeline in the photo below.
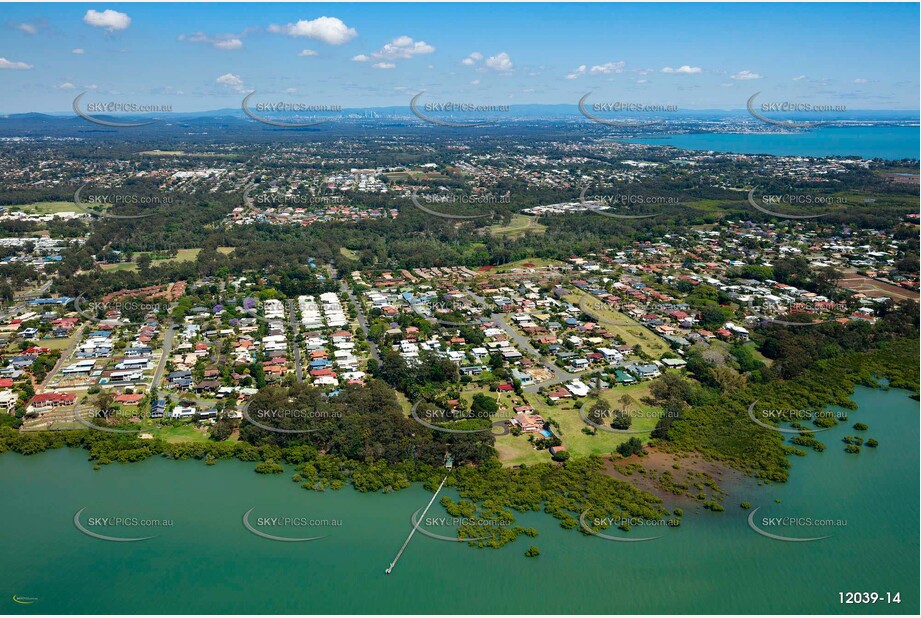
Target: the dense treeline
pixel 358 424
pixel 715 422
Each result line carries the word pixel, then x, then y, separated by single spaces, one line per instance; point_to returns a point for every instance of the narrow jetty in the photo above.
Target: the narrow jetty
pixel 415 526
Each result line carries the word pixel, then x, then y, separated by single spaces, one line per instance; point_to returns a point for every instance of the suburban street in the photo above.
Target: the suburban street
pixel 167 347
pixel 362 322
pixel 294 326
pixel 559 375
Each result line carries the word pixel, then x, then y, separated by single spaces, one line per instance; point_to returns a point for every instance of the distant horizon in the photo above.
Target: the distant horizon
pixel 571 108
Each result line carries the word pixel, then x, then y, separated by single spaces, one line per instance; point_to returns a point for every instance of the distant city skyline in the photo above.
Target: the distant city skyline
pixel 201 57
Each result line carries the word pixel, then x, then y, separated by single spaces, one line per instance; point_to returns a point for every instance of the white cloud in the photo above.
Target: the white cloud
pixel 580 71
pixel 65 86
pixel 860 80
pixel 18 66
pixel 330 30
pixel 306 52
pixel 402 48
pixel 27 28
pixel 225 42
pixel 684 70
pixel 799 78
pixel 608 68
pixel 229 44
pixel 108 19
pixel 500 62
pixel 77 50
pixel 745 75
pixel 472 59
pixel 475 82
pixel 642 81
pixel 643 71
pixel 231 81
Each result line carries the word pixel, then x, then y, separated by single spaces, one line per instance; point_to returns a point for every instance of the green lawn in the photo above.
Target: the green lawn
pixel 45 208
pixel 348 253
pixel 516 450
pixel 579 444
pixel 532 262
pixel 56 344
pixel 179 433
pixel 182 255
pixel 520 224
pixel 652 344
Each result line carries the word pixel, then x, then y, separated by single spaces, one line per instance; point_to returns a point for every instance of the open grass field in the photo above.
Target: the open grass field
pixel 875 289
pixel 56 344
pixel 182 255
pixel 525 263
pixel 519 225
pixel 517 450
pixel 182 153
pixel 45 208
pixel 580 444
pixel 348 253
pixel 178 433
pixel 613 321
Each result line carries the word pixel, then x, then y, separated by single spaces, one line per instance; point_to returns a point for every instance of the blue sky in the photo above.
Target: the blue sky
pixel 696 56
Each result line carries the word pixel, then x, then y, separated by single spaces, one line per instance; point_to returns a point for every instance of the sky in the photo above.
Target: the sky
pixel 197 57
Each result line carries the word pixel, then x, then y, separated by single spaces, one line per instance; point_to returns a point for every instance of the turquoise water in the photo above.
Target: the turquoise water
pixel 207 562
pixel 865 142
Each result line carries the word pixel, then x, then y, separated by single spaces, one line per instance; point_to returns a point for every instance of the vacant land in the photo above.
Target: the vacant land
pixel 46 208
pixel 525 264
pixel 519 225
pixel 615 322
pixel 182 255
pixel 348 253
pixel 875 289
